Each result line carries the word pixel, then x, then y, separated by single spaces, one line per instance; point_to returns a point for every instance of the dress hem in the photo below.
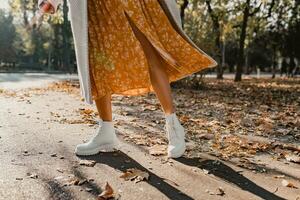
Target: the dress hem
pixel 146 90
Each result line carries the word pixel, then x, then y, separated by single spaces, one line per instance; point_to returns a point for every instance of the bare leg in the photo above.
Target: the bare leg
pixel 104 108
pixel 158 75
pixel 160 83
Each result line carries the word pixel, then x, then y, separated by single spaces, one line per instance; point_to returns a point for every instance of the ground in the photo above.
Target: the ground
pixel 243 142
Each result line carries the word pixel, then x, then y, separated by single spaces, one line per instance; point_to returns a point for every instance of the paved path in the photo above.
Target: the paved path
pixel 37 159
pixel 27 80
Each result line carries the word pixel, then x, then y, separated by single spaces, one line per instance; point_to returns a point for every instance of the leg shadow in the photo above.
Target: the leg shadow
pixel 226 173
pixel 121 161
pixel 96 190
pixel 57 191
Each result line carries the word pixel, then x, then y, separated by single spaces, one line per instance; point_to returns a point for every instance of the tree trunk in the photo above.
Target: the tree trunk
pixel 66 47
pixel 216 28
pixel 223 56
pixel 240 61
pixel 182 10
pixel 219 57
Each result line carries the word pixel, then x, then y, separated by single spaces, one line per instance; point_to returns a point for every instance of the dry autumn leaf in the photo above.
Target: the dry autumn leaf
pixel 158 150
pixel 287 183
pixel 220 191
pixel 279 176
pixel 107 193
pixel 206 136
pixel 88 163
pixel 292 158
pixel 73 181
pixel 135 174
pixel 149 107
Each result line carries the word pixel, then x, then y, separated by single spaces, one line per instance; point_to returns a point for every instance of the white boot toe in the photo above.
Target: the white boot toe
pixel 105 140
pixel 176 151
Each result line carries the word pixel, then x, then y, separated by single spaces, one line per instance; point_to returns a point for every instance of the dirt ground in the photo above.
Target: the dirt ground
pixel 243 143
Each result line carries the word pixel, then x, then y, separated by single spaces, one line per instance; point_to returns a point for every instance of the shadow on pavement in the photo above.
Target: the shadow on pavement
pixel 96 190
pixel 121 161
pixel 57 191
pixel 226 173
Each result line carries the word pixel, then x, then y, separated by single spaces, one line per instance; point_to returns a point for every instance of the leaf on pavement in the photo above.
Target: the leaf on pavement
pixel 33 176
pixel 107 193
pixel 293 158
pixel 220 191
pixel 135 174
pixel 88 163
pixel 287 183
pixel 279 176
pixel 206 136
pixel 158 150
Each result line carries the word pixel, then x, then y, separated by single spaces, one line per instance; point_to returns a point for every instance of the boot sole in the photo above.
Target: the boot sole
pixel 102 148
pixel 179 153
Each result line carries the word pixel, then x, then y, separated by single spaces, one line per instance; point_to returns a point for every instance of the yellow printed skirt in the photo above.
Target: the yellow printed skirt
pixel 118 64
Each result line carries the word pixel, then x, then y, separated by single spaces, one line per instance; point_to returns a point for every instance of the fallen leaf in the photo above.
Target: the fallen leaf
pixel 184 118
pixel 83 181
pixel 58 178
pixel 135 174
pixel 158 150
pixel 33 176
pixel 286 183
pixel 206 136
pixel 107 193
pixel 88 189
pixel 220 191
pixel 73 181
pixel 293 158
pixel 88 163
pixel 149 107
pixel 279 176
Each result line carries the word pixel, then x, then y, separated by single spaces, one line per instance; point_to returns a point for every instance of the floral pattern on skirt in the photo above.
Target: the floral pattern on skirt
pixel 118 64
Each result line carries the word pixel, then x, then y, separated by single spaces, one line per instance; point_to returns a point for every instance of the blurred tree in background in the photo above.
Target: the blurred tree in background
pixel 8 36
pixel 244 36
pixel 47 47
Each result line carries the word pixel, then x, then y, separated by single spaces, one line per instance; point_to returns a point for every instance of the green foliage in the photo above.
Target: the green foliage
pixel 39 47
pixel 7 37
pixel 272 31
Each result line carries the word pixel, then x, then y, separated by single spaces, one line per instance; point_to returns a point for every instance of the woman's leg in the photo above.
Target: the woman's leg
pixel 158 76
pixel 161 86
pixel 160 81
pixel 104 108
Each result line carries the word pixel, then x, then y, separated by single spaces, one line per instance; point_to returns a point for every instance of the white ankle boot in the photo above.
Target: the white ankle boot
pixel 176 136
pixel 104 140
